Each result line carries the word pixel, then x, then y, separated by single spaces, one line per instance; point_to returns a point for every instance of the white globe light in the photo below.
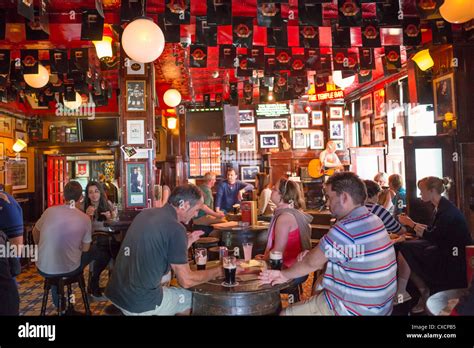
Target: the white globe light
pixel 38 80
pixel 143 40
pixel 457 11
pixel 172 97
pixel 73 105
pixel 340 81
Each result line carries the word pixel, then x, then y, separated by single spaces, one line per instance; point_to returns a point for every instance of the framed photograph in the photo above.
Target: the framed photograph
pixel 2 151
pixel 268 141
pixel 379 103
pixel 136 96
pixel 134 67
pixel 339 145
pixel 365 131
pixel 6 127
pixel 316 140
pixel 336 112
pixel 317 118
pixel 135 131
pixel 23 136
pixel 136 191
pixel 248 173
pixel 443 91
pixel 379 132
pixel 299 140
pixel 366 106
pixel 21 125
pixel 16 172
pixel 272 125
pixel 299 121
pixel 246 139
pixel 82 169
pixel 246 116
pixel 336 129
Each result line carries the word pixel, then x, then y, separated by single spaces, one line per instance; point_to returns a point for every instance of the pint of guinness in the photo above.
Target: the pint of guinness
pixel 200 256
pixel 230 268
pixel 276 260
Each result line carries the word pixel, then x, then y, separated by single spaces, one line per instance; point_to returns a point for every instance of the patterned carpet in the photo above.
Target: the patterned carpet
pixel 30 285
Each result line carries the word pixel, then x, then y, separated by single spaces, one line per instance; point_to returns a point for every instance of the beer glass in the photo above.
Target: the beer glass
pixel 230 268
pixel 200 256
pixel 276 260
pixel 247 251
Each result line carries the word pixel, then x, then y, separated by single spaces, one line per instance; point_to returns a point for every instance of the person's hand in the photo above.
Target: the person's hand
pixel 259 257
pixel 420 229
pixel 4 197
pixel 240 195
pixel 400 239
pixel 90 210
pixel 220 215
pixel 405 220
pixel 272 277
pixel 107 215
pixel 301 255
pixel 194 236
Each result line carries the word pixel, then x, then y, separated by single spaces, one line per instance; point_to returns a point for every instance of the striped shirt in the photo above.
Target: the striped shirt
pixel 392 225
pixel 361 273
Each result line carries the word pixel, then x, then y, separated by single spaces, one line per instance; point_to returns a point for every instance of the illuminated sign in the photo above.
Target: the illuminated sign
pixel 329 95
pixel 273 110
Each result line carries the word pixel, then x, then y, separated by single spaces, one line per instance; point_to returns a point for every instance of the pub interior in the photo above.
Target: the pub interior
pixel 236 157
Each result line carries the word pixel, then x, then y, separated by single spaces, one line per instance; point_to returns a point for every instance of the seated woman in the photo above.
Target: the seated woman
pixel 397 193
pixel 265 204
pixel 437 259
pixel 104 247
pixel 165 193
pixel 289 231
pixel 385 199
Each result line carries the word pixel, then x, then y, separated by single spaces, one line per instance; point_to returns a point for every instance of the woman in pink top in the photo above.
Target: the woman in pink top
pixel 289 230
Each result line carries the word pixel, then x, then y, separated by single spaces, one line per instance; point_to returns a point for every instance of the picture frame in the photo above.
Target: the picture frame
pixel 23 136
pixel 299 140
pixel 248 173
pixel 6 127
pixel 272 124
pixel 317 118
pixel 336 129
pixel 336 112
pixel 246 117
pixel 136 132
pixel 379 103
pixel 316 140
pixel 21 124
pixel 299 121
pixel 269 141
pixel 247 139
pixel 339 145
pixel 136 184
pixel 2 151
pixel 16 173
pixel 443 92
pixel 134 67
pixel 136 95
pixel 365 131
pixel 366 108
pixel 82 169
pixel 379 132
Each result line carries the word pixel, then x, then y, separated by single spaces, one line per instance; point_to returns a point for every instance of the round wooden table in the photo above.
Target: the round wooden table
pixel 246 298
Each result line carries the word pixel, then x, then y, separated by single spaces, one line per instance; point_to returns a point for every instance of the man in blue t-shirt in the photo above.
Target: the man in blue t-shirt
pixel 230 191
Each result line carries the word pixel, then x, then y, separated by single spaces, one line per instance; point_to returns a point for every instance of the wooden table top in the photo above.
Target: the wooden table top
pixel 234 226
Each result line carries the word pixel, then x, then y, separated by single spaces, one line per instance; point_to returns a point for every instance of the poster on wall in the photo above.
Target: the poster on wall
pixel 272 125
pixel 366 105
pixel 135 131
pixel 443 90
pixel 82 169
pixel 136 184
pixel 379 103
pixel 17 173
pixel 246 139
pixel 365 131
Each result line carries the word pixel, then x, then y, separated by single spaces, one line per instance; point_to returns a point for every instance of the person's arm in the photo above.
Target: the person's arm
pixel 36 235
pixel 211 212
pixel 263 201
pixel 188 278
pixel 282 229
pixel 87 239
pixel 165 195
pixel 220 196
pixel 194 236
pixel 245 186
pixel 337 162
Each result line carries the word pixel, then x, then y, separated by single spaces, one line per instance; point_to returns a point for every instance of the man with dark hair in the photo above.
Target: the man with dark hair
pixel 63 234
pixel 373 192
pixel 230 191
pixel 360 277
pixel 156 242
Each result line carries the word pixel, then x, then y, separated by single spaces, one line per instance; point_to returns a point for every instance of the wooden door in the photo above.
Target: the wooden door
pixel 56 179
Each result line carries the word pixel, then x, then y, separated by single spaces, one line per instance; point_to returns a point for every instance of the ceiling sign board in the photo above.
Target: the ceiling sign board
pixel 273 110
pixel 329 95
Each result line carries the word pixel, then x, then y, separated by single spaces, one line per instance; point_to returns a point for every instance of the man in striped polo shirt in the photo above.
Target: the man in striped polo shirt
pixel 361 272
pixel 391 224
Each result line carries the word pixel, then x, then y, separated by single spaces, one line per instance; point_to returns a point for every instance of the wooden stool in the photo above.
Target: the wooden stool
pixel 206 242
pixel 60 282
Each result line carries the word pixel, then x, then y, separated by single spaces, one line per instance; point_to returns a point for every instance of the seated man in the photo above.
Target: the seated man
pixel 63 234
pixel 156 242
pixel 361 273
pixel 206 215
pixel 230 191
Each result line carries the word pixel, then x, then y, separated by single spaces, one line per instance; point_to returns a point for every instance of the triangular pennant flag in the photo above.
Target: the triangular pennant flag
pixel 297 65
pixel 170 31
pixel 269 15
pixel 248 92
pixel 198 56
pixel 227 55
pixel 341 37
pixel 364 76
pixel 233 93
pixel 25 8
pixel 277 37
pixel 283 57
pixel 130 9
pixel 259 2
pixel 310 13
pixel 350 13
pixel 270 65
pixel 79 60
pixel 298 86
pixel 393 59
pixel 320 83
pixel 366 58
pixel 59 61
pixel 29 61
pixel 429 9
pixel 370 34
pixel 242 31
pixel 339 58
pixel 178 12
pixel 388 13
pixel 441 31
pixel 207 100
pixel 325 61
pixel 219 12
pixel 263 94
pixel 313 59
pixel 256 58
pixel 468 30
pixel 92 27
pixel 411 31
pixel 206 33
pixel 244 70
pixel 309 36
pixel 4 62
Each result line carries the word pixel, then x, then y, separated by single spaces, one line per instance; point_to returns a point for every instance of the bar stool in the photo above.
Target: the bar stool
pixel 60 282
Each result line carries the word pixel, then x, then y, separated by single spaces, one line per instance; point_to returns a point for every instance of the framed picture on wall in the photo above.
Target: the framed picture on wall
pixel 339 145
pixel 136 96
pixel 6 127
pixel 246 116
pixel 268 141
pixel 20 125
pixel 379 132
pixel 22 136
pixel 336 112
pixel 316 140
pixel 134 67
pixel 82 169
pixel 135 131
pixel 365 131
pixel 299 121
pixel 443 91
pixel 248 173
pixel 379 103
pixel 366 105
pixel 336 129
pixel 136 188
pixel 299 140
pixel 272 125
pixel 246 139
pixel 2 151
pixel 16 173
pixel 317 118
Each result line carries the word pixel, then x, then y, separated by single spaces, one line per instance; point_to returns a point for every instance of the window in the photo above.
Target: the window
pixel 204 156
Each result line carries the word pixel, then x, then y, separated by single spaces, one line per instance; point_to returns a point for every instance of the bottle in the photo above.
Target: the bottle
pixel 53 134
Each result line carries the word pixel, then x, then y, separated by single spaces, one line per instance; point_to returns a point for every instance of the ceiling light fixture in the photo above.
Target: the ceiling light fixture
pixel 38 80
pixel 143 40
pixel 172 97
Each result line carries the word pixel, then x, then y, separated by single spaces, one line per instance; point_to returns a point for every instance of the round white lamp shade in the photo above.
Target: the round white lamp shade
pixel 457 11
pixel 340 81
pixel 172 97
pixel 38 80
pixel 73 105
pixel 143 40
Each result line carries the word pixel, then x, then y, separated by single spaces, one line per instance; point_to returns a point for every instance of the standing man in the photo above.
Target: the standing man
pixel 156 242
pixel 361 273
pixel 230 191
pixel 206 215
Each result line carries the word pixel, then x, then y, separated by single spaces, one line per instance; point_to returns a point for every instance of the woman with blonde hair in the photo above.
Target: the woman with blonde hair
pixel 384 199
pixel 264 192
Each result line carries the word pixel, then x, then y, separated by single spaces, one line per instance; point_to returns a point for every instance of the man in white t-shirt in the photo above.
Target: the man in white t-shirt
pixel 63 234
